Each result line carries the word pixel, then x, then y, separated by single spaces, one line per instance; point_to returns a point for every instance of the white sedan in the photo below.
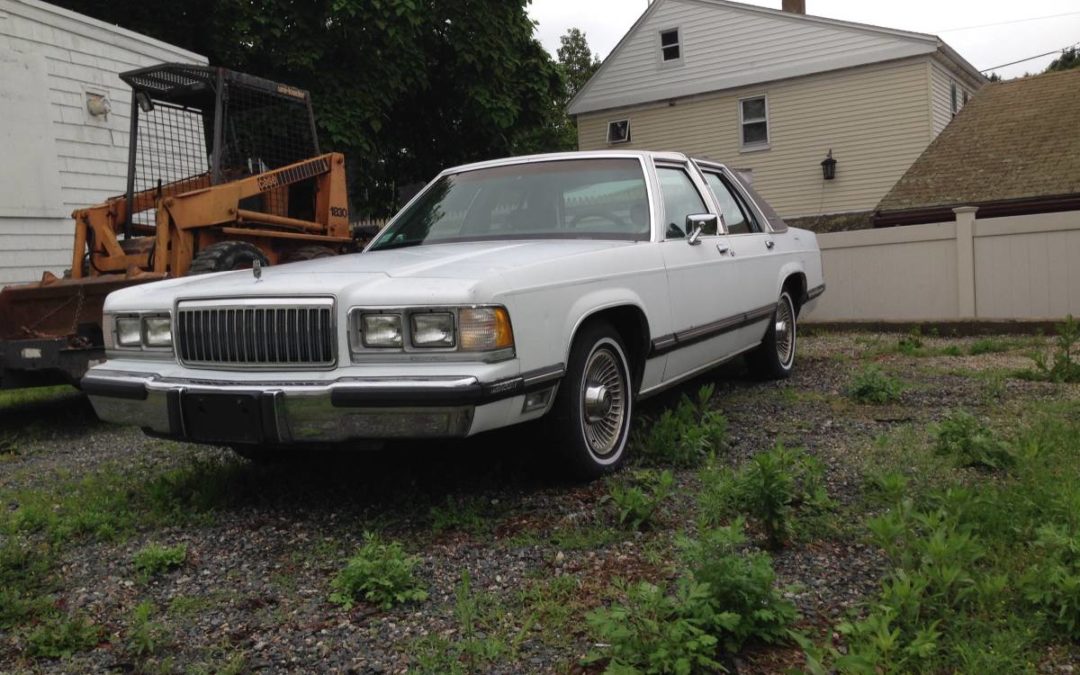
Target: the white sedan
pixel 565 285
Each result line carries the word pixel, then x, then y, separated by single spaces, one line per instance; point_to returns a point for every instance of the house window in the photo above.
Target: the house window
pixel 953 98
pixel 670 46
pixel 964 97
pixel 618 131
pixel 754 122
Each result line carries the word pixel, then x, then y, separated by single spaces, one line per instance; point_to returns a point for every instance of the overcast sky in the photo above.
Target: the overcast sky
pixel 1017 31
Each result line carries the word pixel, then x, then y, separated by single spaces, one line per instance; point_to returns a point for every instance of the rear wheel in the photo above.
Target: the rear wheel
pixel 227 255
pixel 774 358
pixel 594 403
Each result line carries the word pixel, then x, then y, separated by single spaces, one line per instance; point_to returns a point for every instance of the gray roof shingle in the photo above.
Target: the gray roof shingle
pixel 1018 139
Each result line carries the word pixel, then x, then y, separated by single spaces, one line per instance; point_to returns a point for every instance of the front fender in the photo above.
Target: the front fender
pixel 597 301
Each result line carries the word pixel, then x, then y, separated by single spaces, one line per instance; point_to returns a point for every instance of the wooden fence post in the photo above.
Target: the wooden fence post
pixel 965 260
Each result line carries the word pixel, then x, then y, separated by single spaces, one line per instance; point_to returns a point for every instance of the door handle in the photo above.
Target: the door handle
pixel 722 248
pixel 770 243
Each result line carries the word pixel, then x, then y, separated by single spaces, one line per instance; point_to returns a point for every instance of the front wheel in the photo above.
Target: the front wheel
pixel 774 358
pixel 594 403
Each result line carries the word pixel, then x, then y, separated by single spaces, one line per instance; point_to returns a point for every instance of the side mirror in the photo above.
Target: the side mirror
pixel 698 224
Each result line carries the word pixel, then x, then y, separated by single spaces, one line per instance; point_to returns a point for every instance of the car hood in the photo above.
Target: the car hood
pixel 420 273
pixel 461 260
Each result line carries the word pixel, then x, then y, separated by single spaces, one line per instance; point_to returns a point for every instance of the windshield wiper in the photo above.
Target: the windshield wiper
pixel 398 244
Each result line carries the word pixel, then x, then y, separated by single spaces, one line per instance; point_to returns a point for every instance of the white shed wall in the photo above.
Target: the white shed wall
pixel 57 156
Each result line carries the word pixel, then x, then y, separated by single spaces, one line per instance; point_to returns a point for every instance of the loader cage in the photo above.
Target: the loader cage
pixel 197 126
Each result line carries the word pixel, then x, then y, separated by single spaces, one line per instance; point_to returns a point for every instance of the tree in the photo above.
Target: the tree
pixel 576 65
pixel 403 87
pixel 576 61
pixel 1069 59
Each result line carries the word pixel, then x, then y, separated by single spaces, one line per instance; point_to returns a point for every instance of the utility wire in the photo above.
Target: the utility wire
pixel 1003 23
pixel 1013 63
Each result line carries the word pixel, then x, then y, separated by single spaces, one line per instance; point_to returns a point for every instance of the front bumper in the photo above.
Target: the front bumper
pixel 346 408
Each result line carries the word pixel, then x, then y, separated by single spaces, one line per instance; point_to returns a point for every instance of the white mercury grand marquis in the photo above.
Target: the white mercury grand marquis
pixel 565 285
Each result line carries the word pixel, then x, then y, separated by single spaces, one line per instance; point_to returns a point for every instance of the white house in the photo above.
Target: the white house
pixel 63 126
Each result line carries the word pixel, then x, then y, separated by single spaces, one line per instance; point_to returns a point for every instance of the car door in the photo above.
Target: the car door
pixel 701 279
pixel 754 256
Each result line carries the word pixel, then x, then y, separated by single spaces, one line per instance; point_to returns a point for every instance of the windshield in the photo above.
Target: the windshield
pixel 558 199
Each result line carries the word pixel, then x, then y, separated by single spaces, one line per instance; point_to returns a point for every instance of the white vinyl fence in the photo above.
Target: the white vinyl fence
pixel 1011 268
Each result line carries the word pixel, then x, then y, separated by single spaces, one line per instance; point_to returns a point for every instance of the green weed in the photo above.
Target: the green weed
pixel 684 435
pixel 656 633
pixel 145 636
pixel 636 505
pixel 154 559
pixel 60 636
pixel 380 573
pixel 740 587
pixel 971 443
pixel 770 488
pixel 1062 364
pixel 871 385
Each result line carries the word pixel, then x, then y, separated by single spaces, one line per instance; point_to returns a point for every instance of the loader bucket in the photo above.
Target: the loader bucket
pixel 60 308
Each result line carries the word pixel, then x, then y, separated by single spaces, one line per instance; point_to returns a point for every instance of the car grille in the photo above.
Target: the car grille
pixel 256 333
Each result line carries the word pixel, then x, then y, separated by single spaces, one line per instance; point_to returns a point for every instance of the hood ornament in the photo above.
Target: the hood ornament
pixel 256 269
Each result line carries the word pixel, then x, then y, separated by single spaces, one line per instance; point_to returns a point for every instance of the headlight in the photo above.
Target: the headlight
pixel 157 331
pixel 129 331
pixel 381 330
pixel 485 329
pixel 435 329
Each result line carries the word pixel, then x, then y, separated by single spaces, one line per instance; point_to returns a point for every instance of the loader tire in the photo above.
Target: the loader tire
pixel 309 253
pixel 225 256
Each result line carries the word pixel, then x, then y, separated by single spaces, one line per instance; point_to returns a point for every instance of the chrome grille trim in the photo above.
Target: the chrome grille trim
pixel 256 333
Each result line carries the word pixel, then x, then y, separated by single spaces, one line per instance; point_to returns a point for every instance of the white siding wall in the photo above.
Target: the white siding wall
pixel 50 59
pixel 725 47
pixel 874 118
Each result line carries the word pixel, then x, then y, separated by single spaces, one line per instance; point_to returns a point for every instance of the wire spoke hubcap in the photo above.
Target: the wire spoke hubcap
pixel 785 331
pixel 603 401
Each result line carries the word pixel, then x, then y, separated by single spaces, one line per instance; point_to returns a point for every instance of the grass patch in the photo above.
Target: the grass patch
pixel 470 513
pixel 155 559
pixel 12 398
pixel 487 633
pixel 983 578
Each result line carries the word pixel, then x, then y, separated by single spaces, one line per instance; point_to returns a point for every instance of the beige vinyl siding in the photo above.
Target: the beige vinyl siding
pixel 82 158
pixel 874 118
pixel 725 46
pixel 940 101
pixel 941 78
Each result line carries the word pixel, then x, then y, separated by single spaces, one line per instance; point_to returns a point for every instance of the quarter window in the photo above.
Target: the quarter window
pixel 737 216
pixel 754 121
pixel 681 199
pixel 670 45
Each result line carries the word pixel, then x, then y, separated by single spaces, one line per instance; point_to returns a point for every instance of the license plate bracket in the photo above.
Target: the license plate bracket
pixel 223 418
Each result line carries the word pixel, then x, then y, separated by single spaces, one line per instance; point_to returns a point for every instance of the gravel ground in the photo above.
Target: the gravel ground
pixel 252 592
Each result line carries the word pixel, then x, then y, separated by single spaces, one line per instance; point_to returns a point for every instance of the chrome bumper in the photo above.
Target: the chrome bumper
pixel 285 413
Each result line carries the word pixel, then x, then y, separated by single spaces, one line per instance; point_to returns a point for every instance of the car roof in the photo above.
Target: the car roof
pixel 649 155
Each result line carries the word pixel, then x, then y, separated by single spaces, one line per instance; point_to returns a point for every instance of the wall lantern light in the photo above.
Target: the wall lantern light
pixel 828 167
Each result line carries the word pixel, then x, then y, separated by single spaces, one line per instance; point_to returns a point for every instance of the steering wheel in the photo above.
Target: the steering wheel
pixel 618 221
